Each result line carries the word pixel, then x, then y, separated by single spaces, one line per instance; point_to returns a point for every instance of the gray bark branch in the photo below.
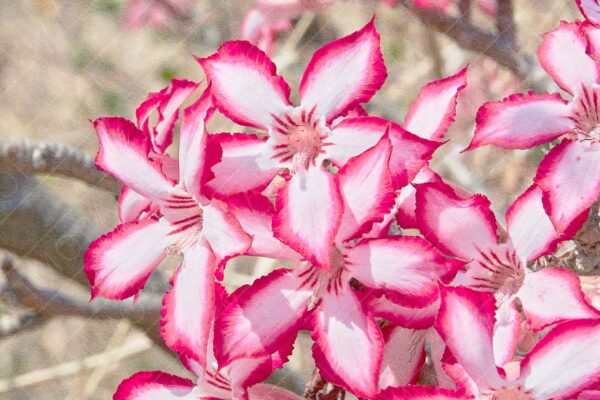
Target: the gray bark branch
pixel 32 158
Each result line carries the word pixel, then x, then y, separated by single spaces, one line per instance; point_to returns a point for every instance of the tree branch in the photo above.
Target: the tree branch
pixel 52 158
pixel 319 389
pixel 471 38
pixel 36 224
pixel 50 303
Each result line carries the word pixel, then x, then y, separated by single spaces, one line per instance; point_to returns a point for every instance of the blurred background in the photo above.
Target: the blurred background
pixel 63 62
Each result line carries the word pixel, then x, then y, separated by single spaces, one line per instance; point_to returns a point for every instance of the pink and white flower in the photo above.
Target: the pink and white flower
pixel 259 319
pixel 429 117
pixel 341 76
pixel 570 174
pixel 164 107
pixel 240 380
pixel 268 18
pixel 155 13
pixel 560 366
pixel 186 221
pixel 466 228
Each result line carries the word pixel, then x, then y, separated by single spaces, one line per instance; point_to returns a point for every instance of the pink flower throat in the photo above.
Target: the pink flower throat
pixel 302 139
pixel 586 115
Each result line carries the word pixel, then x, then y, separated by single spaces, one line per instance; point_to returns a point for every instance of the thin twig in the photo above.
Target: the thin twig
pixel 11 325
pixel 134 346
pixel 464 8
pixel 435 53
pixel 30 158
pixel 505 24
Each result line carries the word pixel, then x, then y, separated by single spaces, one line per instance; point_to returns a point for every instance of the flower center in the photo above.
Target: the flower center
pixel 500 271
pixel 184 216
pixel 586 115
pixel 321 281
pixel 508 393
pixel 298 139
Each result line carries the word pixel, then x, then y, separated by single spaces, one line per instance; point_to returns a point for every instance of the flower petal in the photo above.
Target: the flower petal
pixel 403 356
pixel 131 205
pixel 529 227
pixel 472 347
pixel 194 160
pixel 403 315
pixel 245 164
pixel 178 93
pixel 407 201
pixel 255 213
pixel 309 211
pixel 407 266
pixel 270 392
pixel 563 55
pixel 553 295
pixel 119 263
pixel 346 337
pixel 565 362
pixel 244 374
pixel 366 186
pixel 155 385
pixel 590 10
pixel 434 109
pixel 570 177
pixel 344 73
pixel 245 84
pixel 460 227
pixel 522 121
pixel 410 155
pixel 506 332
pixel 420 393
pixel 593 36
pixel 188 308
pixel 124 154
pixel 258 319
pixel 223 231
pixel 353 136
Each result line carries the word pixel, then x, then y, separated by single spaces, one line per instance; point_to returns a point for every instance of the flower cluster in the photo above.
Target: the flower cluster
pixel 318 183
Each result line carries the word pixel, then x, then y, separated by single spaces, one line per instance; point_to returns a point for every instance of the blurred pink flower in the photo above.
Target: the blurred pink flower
pixel 269 17
pixel 487 6
pixel 154 13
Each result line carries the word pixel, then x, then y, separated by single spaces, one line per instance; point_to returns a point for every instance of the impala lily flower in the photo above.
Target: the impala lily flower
pixel 238 381
pixel 340 76
pixel 258 319
pixel 155 13
pixel 570 174
pixel 270 17
pixel 429 117
pixel 187 222
pixel 166 104
pixel 560 366
pixel 466 228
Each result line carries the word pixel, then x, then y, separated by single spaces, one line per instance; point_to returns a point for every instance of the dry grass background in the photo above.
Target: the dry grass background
pixel 64 61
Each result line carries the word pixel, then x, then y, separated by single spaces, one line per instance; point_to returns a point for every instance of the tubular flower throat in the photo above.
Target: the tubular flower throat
pixel 300 139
